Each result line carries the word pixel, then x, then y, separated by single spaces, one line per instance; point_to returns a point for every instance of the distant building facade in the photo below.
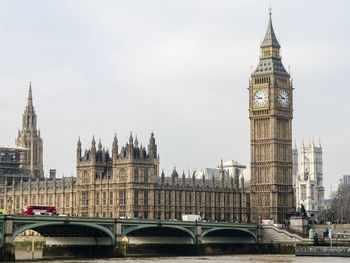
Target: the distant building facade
pixel 309 190
pixel 29 138
pixel 345 179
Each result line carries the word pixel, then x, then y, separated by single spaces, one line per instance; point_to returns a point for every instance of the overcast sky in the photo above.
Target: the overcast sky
pixel 178 68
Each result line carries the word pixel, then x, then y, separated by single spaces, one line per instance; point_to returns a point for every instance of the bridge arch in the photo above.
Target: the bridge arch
pixel 155 234
pixel 228 235
pixel 70 233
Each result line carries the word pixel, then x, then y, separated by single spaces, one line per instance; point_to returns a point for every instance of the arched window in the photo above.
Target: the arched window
pixel 145 175
pixel 85 176
pixel 136 174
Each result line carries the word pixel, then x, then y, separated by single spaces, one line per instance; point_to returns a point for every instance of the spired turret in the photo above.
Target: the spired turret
pixel 93 150
pixel 78 151
pixel 29 138
pixel 152 147
pixel 115 148
pixel 236 178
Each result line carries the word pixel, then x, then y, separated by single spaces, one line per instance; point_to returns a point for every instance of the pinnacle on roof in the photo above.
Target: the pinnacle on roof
pixel 270 37
pixel 131 139
pixel 99 145
pixel 30 97
pixel 136 141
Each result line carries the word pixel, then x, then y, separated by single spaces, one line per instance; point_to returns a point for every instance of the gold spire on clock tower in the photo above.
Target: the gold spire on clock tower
pixel 270 114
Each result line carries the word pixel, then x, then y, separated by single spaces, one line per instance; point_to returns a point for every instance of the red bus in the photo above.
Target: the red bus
pixel 39 210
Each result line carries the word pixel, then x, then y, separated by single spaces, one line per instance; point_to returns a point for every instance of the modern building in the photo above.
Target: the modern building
pixel 309 190
pixel 271 114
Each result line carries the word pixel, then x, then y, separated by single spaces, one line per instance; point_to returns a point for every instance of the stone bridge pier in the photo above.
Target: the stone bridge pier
pixel 7 249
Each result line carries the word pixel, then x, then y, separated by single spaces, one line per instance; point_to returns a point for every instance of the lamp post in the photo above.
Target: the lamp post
pixel 118 210
pixel 9 205
pixel 260 218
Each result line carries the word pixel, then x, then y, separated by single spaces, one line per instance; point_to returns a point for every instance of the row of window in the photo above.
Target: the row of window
pixel 141 198
pixel 122 174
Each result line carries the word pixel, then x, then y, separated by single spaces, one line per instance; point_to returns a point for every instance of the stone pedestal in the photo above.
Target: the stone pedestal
pixel 299 224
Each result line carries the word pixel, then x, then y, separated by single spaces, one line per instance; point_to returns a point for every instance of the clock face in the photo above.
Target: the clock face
pixel 283 98
pixel 260 98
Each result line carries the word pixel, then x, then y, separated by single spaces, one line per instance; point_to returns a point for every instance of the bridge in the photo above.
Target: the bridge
pixel 110 233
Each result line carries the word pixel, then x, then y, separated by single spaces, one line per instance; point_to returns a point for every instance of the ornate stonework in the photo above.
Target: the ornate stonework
pixel 270 114
pixel 29 138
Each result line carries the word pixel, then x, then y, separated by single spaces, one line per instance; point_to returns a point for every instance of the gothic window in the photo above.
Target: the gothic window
pixel 136 174
pixel 122 197
pixel 145 197
pixel 122 173
pixel 136 198
pixel 159 199
pixel 145 175
pixel 104 194
pixel 67 201
pixel 33 200
pixel 168 198
pixel 110 198
pixel 84 198
pixel 97 198
pixel 312 192
pixel 85 176
pixel 17 202
pixel 58 201
pixel 110 214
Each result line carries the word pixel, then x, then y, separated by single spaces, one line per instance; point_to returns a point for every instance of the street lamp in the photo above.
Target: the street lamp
pixel 9 205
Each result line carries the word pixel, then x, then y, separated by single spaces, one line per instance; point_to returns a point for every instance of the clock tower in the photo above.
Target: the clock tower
pixel 270 114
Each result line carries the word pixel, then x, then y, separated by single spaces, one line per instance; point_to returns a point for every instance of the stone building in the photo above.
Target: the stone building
pixel 309 190
pixel 126 183
pixel 270 114
pixel 29 138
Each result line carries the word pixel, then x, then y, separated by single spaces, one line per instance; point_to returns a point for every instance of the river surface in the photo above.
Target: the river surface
pixel 24 256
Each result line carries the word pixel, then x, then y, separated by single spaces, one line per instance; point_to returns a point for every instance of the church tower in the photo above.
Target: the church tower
pixel 29 137
pixel 270 114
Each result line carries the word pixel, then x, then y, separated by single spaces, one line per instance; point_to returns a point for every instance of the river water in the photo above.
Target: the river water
pixel 24 256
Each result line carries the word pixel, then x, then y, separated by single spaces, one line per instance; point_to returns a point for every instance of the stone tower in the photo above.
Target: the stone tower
pixel 309 182
pixel 270 114
pixel 29 137
pixel 126 177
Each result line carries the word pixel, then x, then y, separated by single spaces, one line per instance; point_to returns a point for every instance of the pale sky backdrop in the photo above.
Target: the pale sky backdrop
pixel 178 68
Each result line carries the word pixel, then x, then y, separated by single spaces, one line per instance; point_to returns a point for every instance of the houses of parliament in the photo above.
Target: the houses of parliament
pixel 127 182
